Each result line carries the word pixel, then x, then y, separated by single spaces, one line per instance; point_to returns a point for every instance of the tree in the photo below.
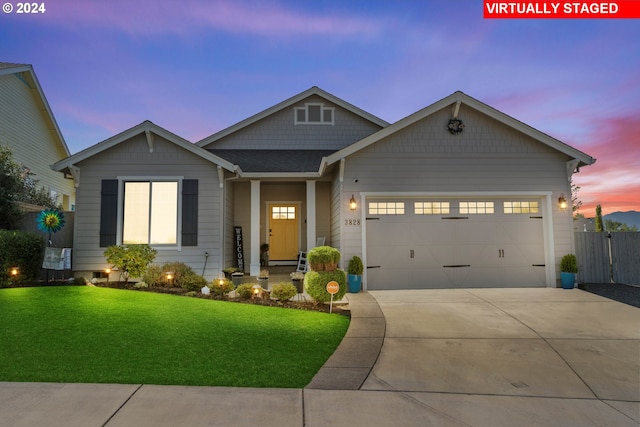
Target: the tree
pixel 575 203
pixel 131 260
pixel 18 185
pixel 599 223
pixel 614 226
pixel 10 187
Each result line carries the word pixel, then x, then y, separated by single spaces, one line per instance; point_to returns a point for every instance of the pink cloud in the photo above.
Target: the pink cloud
pixel 149 17
pixel 614 180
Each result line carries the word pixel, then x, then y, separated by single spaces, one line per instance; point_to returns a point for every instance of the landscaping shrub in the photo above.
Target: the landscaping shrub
pixel 193 282
pixel 284 291
pixel 245 290
pixel 569 264
pixel 131 260
pixel 182 276
pixel 323 258
pixel 153 276
pixel 23 250
pixel 221 287
pixel 355 266
pixel 315 283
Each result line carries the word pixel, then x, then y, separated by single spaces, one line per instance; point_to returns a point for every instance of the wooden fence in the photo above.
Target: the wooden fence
pixel 608 257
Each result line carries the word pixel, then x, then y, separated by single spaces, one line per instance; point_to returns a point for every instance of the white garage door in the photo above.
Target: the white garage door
pixel 454 243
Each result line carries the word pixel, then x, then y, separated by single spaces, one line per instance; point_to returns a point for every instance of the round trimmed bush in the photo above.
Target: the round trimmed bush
pixel 284 291
pixel 323 258
pixel 192 282
pixel 245 290
pixel 315 283
pixel 222 286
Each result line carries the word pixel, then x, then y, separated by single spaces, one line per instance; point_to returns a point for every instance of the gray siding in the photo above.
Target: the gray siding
pixel 279 132
pixel 486 157
pixel 132 158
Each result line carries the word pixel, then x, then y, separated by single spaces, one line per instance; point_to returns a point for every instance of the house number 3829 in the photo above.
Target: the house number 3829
pixel 349 222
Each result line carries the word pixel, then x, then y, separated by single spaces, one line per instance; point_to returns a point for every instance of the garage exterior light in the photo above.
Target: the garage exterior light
pixel 562 202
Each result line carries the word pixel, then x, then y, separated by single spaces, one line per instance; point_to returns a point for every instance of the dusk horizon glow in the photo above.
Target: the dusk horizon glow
pixel 197 67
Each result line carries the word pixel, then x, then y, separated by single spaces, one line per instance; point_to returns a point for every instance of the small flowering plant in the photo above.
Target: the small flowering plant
pixel 50 220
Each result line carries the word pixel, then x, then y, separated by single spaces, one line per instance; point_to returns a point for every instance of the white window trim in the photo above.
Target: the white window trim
pixel 306 114
pixel 119 229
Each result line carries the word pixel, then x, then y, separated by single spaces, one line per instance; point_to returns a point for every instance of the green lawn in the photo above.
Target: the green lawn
pixel 101 335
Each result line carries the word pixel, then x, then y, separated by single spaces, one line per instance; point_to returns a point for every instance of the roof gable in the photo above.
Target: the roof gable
pixel 31 79
pixel 455 101
pixel 149 129
pixel 289 103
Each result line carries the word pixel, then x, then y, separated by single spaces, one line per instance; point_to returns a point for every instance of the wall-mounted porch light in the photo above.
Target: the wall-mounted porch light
pixel 352 203
pixel 562 202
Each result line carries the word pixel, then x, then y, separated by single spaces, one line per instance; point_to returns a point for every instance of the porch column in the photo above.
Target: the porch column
pixel 311 215
pixel 254 266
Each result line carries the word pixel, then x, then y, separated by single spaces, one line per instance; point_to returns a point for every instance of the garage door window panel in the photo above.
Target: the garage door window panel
pixel 477 208
pixel 520 207
pixel 386 208
pixel 431 208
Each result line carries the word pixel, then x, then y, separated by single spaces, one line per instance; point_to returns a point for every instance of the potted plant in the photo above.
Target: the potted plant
pixel 354 278
pixel 296 278
pixel 264 255
pixel 263 278
pixel 568 271
pixel 237 277
pixel 228 271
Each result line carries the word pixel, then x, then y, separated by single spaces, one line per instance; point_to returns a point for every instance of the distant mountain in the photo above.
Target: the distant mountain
pixel 630 218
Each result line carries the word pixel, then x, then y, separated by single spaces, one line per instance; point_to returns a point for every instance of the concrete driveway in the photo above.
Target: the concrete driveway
pixel 511 356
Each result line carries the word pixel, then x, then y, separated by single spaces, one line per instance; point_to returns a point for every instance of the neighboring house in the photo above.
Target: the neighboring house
pixel 29 128
pixel 436 204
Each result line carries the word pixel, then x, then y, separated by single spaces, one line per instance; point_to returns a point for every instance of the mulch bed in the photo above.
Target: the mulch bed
pixel 292 304
pixel 627 294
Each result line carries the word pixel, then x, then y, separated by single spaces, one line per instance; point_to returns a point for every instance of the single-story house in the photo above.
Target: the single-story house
pixel 455 195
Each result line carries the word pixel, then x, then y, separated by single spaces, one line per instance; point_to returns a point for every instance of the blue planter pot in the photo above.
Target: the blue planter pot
pixel 355 283
pixel 567 280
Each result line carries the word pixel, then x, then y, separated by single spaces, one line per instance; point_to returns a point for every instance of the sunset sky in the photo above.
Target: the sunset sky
pixel 196 67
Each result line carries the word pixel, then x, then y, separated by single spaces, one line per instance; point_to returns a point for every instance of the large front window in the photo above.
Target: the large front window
pixel 150 213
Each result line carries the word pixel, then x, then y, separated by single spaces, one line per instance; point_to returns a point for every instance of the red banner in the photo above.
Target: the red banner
pixel 562 9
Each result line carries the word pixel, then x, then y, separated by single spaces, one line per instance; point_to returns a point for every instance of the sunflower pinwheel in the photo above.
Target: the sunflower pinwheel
pixel 50 220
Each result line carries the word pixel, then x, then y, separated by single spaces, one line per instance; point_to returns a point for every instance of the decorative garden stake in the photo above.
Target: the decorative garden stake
pixel 50 221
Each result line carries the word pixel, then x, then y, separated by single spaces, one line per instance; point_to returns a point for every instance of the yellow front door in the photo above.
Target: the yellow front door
pixel 283 232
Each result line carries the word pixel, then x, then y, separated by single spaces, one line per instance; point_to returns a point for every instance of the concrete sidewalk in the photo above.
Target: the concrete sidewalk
pixel 487 357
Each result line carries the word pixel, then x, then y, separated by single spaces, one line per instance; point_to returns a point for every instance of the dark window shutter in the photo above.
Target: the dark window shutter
pixel 108 212
pixel 190 212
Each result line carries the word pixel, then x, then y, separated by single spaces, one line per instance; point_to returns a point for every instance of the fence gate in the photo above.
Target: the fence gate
pixel 608 257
